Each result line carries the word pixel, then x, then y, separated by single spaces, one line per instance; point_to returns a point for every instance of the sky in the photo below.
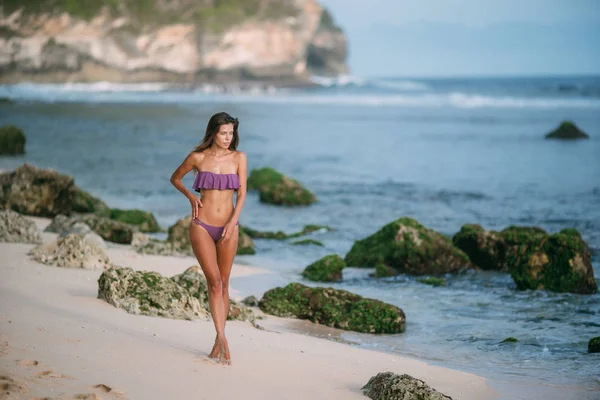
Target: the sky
pixel 425 38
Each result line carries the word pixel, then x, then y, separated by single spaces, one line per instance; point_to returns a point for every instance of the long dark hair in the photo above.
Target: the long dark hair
pixel 213 126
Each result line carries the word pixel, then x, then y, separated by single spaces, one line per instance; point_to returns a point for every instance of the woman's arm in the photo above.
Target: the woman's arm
pixel 186 166
pixel 241 192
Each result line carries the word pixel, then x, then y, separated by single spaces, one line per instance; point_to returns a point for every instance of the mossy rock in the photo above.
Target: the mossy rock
pixel 408 247
pixel 109 229
pixel 305 242
pixel 84 203
pixel 327 269
pixel 390 386
pixel 594 345
pixel 560 262
pixel 178 234
pixel 280 235
pixel 144 220
pixel 567 130
pixel 433 281
pixel 486 249
pixel 276 188
pixel 148 293
pixel 334 308
pixel 384 271
pixel 5 100
pixel 510 340
pixel 12 140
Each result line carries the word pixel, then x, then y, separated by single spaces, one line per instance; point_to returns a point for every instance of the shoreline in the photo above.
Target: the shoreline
pixel 59 339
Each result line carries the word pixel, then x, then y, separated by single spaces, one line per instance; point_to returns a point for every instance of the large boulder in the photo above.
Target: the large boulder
pixel 144 220
pixel 15 228
pixel 148 293
pixel 390 386
pixel 560 262
pixel 276 188
pixel 486 249
pixel 183 296
pixel 12 140
pixel 567 130
pixel 245 243
pixel 327 269
pixel 75 250
pixel 408 247
pixel 333 307
pixel 30 190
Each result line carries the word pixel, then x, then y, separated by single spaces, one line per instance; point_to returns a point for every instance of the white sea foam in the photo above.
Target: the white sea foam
pixel 161 93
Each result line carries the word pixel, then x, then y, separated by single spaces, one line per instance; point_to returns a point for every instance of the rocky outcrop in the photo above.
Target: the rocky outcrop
pixel 276 188
pixel 327 269
pixel 390 386
pixel 560 262
pixel 75 250
pixel 30 190
pixel 408 247
pixel 182 296
pixel 15 228
pixel 567 130
pixel 594 345
pixel 279 41
pixel 144 220
pixel 333 307
pixel 12 140
pixel 108 229
pixel 84 203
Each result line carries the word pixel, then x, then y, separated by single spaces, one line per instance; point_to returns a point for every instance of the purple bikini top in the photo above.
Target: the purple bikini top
pixel 210 180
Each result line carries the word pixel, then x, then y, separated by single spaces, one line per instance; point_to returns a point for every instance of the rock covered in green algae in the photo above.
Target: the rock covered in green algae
pixel 594 345
pixel 384 271
pixel 245 243
pixel 276 188
pixel 109 229
pixel 390 386
pixel 84 202
pixel 12 140
pixel 567 130
pixel 148 293
pixel 433 281
pixel 327 269
pixel 307 241
pixel 183 296
pixel 408 247
pixel 335 308
pixel 486 249
pixel 144 220
pixel 559 262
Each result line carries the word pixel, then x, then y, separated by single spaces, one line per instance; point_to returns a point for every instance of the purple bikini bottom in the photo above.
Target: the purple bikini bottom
pixel 215 232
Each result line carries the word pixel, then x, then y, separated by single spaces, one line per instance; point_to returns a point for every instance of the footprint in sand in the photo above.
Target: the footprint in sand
pixel 51 374
pixel 108 390
pixel 12 389
pixel 28 363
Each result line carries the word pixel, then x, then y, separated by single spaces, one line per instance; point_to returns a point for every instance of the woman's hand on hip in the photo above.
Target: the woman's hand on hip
pixel 196 203
pixel 229 230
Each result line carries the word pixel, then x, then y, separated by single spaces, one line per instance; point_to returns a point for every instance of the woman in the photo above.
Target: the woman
pixel 214 226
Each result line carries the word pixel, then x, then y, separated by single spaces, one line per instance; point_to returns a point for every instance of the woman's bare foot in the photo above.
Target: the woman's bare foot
pixel 214 353
pixel 224 357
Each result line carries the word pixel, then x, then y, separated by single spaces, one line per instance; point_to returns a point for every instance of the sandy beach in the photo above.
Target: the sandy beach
pixel 57 340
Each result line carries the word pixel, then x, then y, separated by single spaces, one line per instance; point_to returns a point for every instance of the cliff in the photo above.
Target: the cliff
pixel 182 41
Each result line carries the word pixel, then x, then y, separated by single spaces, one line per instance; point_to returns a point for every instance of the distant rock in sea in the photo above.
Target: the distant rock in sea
pixel 567 130
pixel 280 42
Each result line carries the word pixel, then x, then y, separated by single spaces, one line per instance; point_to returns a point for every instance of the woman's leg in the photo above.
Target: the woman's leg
pixel 225 254
pixel 206 253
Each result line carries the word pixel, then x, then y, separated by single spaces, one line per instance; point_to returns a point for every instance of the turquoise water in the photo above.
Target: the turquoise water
pixel 445 152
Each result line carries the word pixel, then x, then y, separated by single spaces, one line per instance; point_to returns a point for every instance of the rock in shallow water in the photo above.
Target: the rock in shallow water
pixel 390 386
pixel 335 308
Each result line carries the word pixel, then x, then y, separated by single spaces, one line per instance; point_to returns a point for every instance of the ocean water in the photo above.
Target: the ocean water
pixel 444 151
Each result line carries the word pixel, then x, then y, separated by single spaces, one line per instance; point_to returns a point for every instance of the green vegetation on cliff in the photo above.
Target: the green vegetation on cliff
pixel 213 15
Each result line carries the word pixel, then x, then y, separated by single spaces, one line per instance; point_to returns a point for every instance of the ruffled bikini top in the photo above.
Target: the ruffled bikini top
pixel 210 180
